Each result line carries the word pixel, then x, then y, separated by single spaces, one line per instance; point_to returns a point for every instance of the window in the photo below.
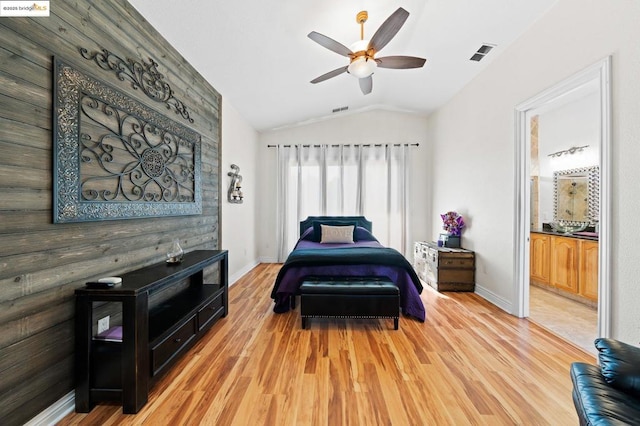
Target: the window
pixel 366 180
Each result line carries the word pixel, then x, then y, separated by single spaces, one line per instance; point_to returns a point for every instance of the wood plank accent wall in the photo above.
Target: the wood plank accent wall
pixel 41 263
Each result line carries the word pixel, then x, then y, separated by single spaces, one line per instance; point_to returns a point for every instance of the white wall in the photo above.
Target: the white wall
pixel 478 125
pixel 573 124
pixel 365 127
pixel 239 146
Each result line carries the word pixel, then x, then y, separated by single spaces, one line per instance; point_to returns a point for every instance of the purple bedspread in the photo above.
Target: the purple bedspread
pixel 288 282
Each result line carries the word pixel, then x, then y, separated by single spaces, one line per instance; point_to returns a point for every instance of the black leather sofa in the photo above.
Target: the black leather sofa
pixel 608 394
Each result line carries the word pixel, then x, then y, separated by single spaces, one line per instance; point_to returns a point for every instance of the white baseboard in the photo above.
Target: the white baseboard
pixel 268 260
pixel 235 277
pixel 56 412
pixel 490 296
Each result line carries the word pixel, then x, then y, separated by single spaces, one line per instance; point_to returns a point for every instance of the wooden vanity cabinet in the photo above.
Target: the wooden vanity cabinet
pixel 539 258
pixel 588 269
pixel 564 264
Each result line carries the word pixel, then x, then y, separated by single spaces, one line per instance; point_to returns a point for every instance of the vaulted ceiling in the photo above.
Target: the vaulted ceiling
pixel 256 53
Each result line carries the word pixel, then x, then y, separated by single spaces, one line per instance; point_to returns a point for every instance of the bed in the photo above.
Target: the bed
pixel 364 257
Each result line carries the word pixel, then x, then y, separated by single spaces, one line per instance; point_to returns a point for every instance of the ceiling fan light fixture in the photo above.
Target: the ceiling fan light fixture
pixel 360 46
pixel 362 67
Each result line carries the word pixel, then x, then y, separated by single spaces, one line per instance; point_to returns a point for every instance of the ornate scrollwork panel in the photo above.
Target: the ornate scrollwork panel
pixel 142 75
pixel 115 158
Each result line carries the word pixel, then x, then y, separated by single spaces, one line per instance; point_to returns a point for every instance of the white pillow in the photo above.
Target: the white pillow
pixel 336 234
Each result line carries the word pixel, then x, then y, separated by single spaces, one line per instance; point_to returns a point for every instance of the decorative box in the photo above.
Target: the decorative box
pixel 447 240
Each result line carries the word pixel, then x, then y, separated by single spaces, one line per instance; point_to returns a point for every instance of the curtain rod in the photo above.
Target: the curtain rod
pixel 348 144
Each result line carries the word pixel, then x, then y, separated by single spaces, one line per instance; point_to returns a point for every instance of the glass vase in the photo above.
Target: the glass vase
pixel 175 254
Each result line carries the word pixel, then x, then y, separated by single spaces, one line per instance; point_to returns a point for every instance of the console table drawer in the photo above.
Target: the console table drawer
pixel 211 311
pixel 169 347
pixel 458 262
pixel 456 276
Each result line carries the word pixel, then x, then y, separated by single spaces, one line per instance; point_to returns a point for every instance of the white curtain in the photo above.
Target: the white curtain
pixel 366 180
pixel 283 168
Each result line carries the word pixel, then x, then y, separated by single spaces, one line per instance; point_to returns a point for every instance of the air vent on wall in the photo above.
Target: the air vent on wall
pixel 482 52
pixel 344 108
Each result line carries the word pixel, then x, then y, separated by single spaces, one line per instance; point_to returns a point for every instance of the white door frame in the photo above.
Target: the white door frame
pixel 601 72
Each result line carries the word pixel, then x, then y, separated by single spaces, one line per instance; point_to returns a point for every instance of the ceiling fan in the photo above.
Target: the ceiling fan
pixel 362 53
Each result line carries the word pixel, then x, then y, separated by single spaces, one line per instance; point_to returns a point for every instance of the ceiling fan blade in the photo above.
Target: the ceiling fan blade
pixel 330 74
pixel 330 43
pixel 388 29
pixel 366 84
pixel 400 62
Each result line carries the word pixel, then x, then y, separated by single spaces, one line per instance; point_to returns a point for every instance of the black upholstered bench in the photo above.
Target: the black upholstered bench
pixel 349 298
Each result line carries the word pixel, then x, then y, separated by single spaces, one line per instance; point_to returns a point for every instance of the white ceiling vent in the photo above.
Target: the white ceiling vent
pixel 482 52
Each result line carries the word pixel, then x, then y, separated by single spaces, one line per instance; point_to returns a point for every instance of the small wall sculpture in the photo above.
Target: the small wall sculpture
pixel 235 195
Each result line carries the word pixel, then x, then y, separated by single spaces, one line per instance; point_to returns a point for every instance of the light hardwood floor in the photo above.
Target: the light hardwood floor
pixel 571 320
pixel 469 363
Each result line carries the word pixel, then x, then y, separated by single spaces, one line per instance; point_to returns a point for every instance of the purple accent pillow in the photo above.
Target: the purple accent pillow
pixel 361 234
pixel 307 234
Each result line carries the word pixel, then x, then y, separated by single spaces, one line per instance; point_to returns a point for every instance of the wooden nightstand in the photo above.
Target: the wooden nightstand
pixel 444 268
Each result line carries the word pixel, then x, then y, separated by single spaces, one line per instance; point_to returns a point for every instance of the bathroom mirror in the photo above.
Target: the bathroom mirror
pixel 576 196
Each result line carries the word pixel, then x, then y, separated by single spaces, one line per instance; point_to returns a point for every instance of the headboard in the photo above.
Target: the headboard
pixel 360 221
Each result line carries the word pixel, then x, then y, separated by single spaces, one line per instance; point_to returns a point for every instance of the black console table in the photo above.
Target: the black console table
pixel 151 339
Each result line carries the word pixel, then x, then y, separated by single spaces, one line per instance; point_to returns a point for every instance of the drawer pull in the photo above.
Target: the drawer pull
pixel 177 340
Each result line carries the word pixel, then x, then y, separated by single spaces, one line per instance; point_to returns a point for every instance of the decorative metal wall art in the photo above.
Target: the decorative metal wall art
pixel 144 76
pixel 234 195
pixel 114 158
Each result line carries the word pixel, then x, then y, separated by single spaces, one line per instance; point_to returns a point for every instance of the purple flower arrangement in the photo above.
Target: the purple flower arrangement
pixel 452 223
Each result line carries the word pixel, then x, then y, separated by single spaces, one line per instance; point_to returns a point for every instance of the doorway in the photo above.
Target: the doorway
pixel 594 78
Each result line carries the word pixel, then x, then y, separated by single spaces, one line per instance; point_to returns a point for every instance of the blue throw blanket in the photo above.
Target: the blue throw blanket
pixel 349 261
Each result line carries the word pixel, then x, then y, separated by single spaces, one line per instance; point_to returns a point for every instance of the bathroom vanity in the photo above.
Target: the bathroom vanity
pixel 565 263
